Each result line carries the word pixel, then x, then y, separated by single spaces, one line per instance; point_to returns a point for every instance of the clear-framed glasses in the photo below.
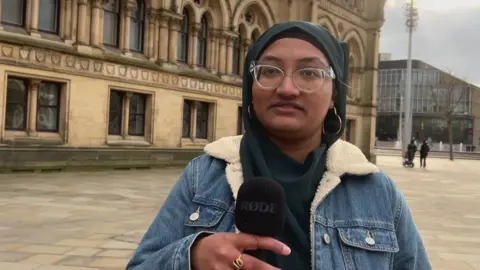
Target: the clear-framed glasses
pixel 307 80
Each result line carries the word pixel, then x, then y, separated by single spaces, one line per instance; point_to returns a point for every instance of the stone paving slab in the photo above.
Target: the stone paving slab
pixel 94 220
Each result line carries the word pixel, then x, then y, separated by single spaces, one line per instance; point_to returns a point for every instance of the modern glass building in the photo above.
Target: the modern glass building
pixel 428 111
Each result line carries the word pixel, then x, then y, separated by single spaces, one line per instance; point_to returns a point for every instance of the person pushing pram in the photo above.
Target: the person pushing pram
pixel 410 155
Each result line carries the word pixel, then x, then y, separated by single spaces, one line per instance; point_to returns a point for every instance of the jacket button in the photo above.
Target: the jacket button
pixel 326 239
pixel 194 216
pixel 369 239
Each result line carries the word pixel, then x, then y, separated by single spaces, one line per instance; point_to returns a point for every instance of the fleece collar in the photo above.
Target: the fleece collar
pixel 342 158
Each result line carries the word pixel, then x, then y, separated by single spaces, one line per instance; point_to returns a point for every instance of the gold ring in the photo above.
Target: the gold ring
pixel 238 263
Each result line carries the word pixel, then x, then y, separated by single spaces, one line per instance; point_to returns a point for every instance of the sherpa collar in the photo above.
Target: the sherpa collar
pixel 342 158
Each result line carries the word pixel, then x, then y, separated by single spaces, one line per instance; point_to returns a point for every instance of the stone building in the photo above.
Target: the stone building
pixel 147 82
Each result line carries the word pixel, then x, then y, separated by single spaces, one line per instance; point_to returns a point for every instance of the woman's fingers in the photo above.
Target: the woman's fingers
pixel 252 242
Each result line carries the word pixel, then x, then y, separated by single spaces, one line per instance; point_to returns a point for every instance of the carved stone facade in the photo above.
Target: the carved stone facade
pixel 129 76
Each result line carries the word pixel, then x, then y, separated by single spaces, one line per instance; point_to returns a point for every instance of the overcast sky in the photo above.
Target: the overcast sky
pixel 447 36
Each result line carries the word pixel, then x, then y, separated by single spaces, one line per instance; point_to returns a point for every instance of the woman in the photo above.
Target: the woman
pixel 343 213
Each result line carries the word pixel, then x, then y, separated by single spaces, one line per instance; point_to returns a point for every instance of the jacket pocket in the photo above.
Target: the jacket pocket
pixel 205 215
pixel 367 247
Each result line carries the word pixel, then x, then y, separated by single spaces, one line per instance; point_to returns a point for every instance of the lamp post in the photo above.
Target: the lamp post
pixel 401 91
pixel 411 13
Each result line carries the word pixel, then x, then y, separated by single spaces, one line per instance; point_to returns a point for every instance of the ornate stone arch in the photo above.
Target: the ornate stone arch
pixel 356 67
pixel 222 8
pixel 259 7
pixel 326 22
pixel 213 20
pixel 192 12
pixel 354 37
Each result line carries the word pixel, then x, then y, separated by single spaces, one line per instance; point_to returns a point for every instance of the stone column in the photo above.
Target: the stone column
pixel 33 21
pixel 82 21
pixel 151 30
pixel 32 107
pixel 216 51
pixel 125 34
pixel 246 44
pixel 95 26
pixel 211 50
pixel 156 39
pixel 222 54
pixel 67 20
pixel 126 114
pixel 162 39
pixel 173 39
pixel 73 23
pixel 229 55
pixel 193 44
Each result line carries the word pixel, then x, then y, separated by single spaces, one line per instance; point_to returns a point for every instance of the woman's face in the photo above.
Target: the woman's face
pixel 285 110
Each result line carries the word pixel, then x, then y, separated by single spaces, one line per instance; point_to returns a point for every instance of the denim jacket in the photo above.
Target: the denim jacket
pixel 359 219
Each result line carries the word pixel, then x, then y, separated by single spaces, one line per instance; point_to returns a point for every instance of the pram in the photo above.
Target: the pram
pixel 408 161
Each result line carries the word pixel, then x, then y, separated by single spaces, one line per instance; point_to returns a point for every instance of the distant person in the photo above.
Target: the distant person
pixel 411 150
pixel 424 149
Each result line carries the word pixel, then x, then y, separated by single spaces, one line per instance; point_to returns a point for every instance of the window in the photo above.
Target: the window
pixel 136 117
pixel 17 104
pixel 196 119
pixel 48 106
pixel 48 16
pixel 203 110
pixel 236 56
pixel 115 113
pixel 202 43
pixel 187 118
pixel 13 12
pixel 136 27
pixel 240 128
pixel 46 110
pixel 182 50
pixel 111 22
pixel 132 105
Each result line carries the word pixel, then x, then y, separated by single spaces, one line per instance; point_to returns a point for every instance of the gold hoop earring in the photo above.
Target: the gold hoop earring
pixel 339 120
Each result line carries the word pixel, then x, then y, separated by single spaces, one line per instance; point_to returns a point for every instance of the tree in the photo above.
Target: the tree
pixel 447 94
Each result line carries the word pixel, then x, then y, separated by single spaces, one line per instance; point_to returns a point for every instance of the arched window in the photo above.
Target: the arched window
pixel 137 22
pixel 111 22
pixel 202 43
pixel 48 11
pixel 13 12
pixel 182 49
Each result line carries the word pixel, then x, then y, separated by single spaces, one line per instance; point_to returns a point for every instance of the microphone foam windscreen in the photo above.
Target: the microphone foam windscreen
pixel 261 207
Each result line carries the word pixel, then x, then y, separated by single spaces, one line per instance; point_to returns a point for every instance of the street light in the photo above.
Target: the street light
pixel 411 14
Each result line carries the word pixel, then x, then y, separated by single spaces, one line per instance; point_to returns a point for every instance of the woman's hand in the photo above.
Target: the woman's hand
pixel 220 250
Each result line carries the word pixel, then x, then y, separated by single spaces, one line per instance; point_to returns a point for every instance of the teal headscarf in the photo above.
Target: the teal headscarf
pixel 261 157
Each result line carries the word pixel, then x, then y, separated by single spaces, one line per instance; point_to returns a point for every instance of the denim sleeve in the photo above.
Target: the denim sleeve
pixel 412 254
pixel 164 245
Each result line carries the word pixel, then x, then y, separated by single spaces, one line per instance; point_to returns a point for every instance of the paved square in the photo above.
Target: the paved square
pixel 93 220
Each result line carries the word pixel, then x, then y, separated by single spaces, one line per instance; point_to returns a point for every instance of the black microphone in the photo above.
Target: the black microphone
pixel 260 209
